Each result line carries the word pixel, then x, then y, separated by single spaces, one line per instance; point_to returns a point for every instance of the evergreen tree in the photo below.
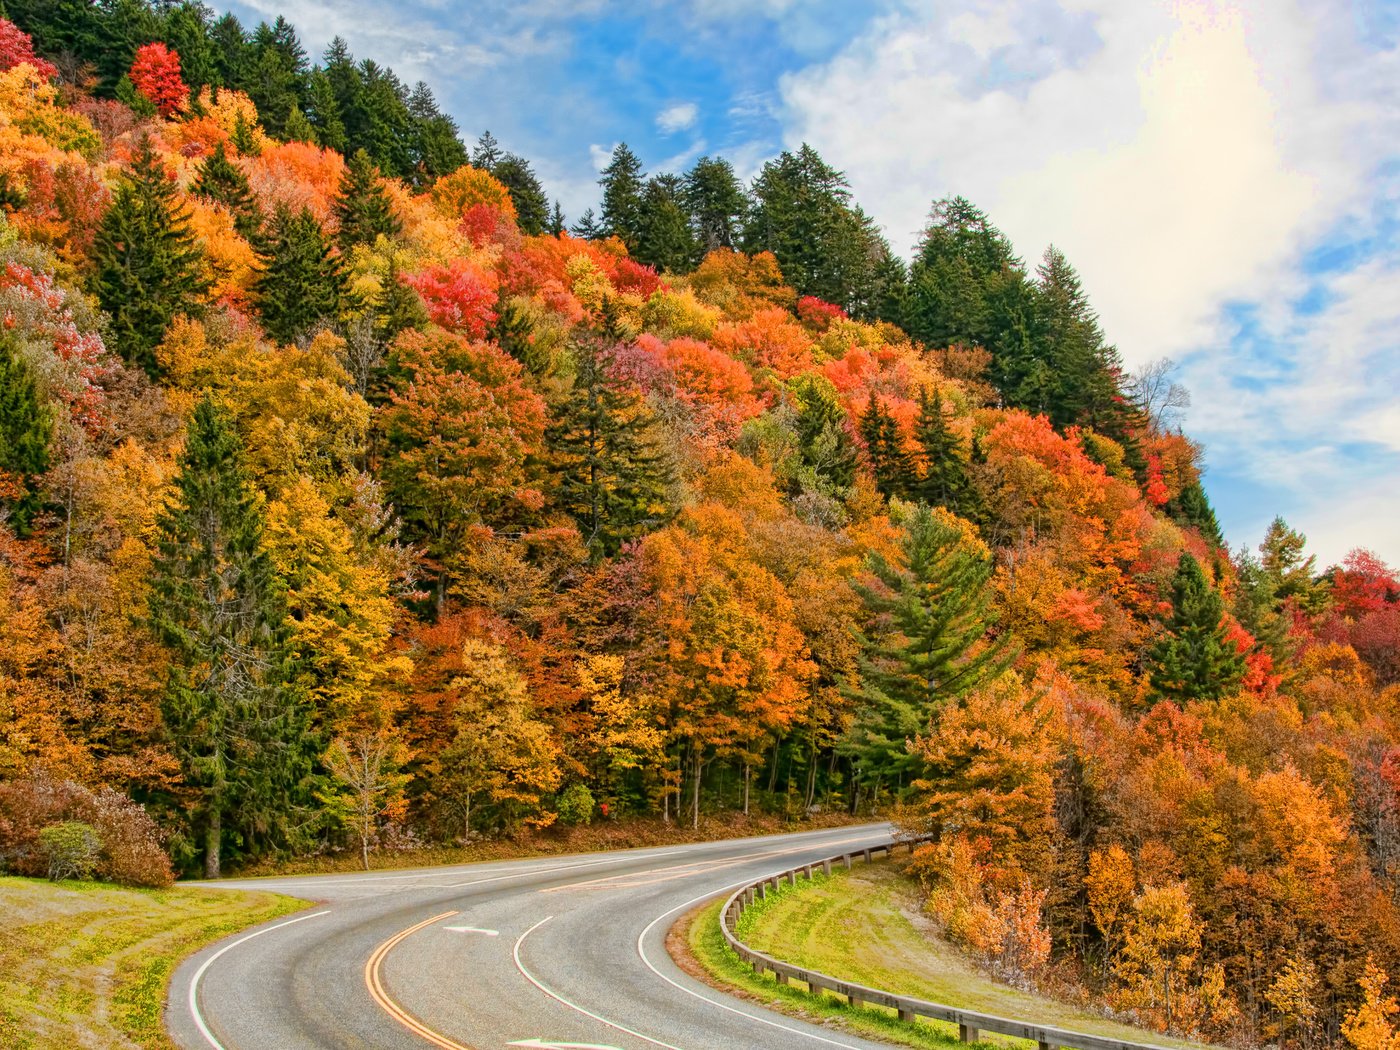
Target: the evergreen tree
pixel 220 179
pixel 302 282
pixel 556 221
pixel 823 435
pixel 323 112
pixel 1258 607
pixel 663 234
pixel 945 482
pixel 187 31
pixel 26 428
pixel 1293 576
pixel 623 183
pixel 588 227
pixel 716 202
pixel 238 724
pixel 147 266
pixel 611 473
pixel 487 153
pixel 889 460
pixel 437 148
pixel 957 258
pixel 1192 508
pixel 276 73
pixel 363 207
pixel 232 53
pixel 1195 659
pixel 937 642
pixel 526 193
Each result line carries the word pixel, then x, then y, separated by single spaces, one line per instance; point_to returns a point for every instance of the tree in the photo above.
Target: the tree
pixel 889 460
pixel 715 200
pixel 931 638
pixel 156 75
pixel 945 480
pixel 1195 659
pixel 623 183
pixel 26 430
pixel 219 179
pixel 365 764
pixel 663 235
pixel 1160 946
pixel 955 262
pixel 1370 1026
pixel 823 433
pixel 588 227
pixel 363 207
pixel 611 473
pixel 236 721
pixel 1294 577
pixel 526 192
pixel 302 282
pixel 147 266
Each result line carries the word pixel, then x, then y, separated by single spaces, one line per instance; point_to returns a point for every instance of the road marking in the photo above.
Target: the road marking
pixel 554 1044
pixel 199 974
pixel 574 1006
pixel 473 929
pixel 393 1009
pixel 641 951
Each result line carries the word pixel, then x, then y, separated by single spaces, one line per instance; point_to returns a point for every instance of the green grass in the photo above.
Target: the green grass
pixel 865 926
pixel 87 964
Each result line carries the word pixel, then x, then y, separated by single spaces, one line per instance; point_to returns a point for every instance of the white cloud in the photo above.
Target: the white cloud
pixel 600 155
pixel 677 117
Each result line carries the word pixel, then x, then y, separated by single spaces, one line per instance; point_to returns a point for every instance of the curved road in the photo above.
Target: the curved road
pixel 552 952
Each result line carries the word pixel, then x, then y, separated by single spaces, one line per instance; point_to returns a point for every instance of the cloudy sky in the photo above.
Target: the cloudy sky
pixel 1225 176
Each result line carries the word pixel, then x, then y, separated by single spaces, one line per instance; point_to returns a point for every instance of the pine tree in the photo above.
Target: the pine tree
pixel 945 481
pixel 663 234
pixel 302 282
pixel 612 475
pixel 959 254
pixel 526 193
pixel 297 128
pixel 1194 660
pixel 1191 507
pixel 823 435
pixel 623 183
pixel 556 221
pixel 937 642
pixel 236 721
pixel 363 207
pixel 487 152
pixel 588 227
pixel 889 460
pixel 147 266
pixel 220 179
pixel 26 428
pixel 716 202
pixel 323 112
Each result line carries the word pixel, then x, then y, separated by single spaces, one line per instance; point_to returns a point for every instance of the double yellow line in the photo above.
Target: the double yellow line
pixel 375 984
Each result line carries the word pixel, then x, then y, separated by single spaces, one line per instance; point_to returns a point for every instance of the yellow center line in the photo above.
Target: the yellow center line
pixel 375 984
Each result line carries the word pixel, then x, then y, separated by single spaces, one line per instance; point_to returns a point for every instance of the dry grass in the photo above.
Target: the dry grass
pixel 87 964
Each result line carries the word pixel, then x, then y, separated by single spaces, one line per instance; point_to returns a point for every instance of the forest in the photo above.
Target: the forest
pixel 352 500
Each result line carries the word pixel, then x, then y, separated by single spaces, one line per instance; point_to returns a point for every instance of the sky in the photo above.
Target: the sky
pixel 1224 176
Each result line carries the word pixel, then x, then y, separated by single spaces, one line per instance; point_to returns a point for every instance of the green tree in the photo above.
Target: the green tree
pixel 363 207
pixel 889 460
pixel 147 266
pixel 236 721
pixel 1292 574
pixel 824 434
pixel 323 112
pixel 957 258
pixel 1194 659
pixel 220 179
pixel 588 227
pixel 945 482
pixel 302 283
pixel 664 238
pixel 623 183
pixel 526 193
pixel 611 473
pixel 934 619
pixel 26 428
pixel 436 148
pixel 716 201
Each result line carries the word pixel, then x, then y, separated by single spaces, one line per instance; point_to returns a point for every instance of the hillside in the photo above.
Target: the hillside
pixel 350 501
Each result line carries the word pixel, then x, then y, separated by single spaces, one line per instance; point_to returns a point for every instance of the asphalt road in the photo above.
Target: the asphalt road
pixel 559 951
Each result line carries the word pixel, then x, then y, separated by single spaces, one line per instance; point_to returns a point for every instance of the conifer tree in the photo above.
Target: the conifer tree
pixel 220 179
pixel 823 436
pixel 147 266
pixel 588 227
pixel 298 128
pixel 716 202
pixel 323 112
pixel 556 220
pixel 889 460
pixel 26 428
pixel 363 207
pixel 612 474
pixel 1192 507
pixel 623 183
pixel 945 482
pixel 937 644
pixel 526 193
pixel 664 238
pixel 236 721
pixel 302 282
pixel 1194 660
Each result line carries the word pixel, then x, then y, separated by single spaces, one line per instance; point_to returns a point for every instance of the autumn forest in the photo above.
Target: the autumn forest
pixel 354 499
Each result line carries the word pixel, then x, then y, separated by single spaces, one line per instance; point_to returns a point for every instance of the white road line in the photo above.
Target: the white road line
pixel 198 974
pixel 574 1006
pixel 473 929
pixel 641 951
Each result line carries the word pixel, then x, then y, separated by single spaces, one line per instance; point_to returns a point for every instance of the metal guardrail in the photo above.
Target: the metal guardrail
pixel 970 1024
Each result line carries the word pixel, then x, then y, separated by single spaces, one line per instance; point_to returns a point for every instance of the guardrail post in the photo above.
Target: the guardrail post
pixel 847 859
pixel 854 999
pixel 966 1033
pixel 782 978
pixel 826 866
pixel 867 856
pixel 792 877
pixel 907 1015
pixel 807 871
pixel 762 890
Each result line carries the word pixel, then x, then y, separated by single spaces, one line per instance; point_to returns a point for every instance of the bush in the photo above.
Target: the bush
pixel 575 805
pixel 70 849
pixel 130 842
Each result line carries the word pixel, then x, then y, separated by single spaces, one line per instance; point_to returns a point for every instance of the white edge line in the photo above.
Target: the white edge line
pixel 574 1006
pixel 641 952
pixel 198 974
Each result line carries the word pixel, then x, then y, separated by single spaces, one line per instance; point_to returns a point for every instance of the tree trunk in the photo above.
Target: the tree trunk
pixel 695 794
pixel 747 773
pixel 364 849
pixel 213 840
pixel 811 779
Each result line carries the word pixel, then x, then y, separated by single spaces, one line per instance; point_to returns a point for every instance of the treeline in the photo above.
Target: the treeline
pixel 339 510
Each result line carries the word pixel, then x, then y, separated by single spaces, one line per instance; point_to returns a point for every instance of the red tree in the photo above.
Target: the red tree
pixel 16 47
pixel 156 74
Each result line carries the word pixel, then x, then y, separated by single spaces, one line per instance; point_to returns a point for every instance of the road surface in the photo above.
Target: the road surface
pixel 551 952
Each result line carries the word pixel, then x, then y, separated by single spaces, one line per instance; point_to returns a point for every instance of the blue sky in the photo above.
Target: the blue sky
pixel 1225 175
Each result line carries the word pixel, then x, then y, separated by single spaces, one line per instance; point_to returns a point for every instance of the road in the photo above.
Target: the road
pixel 558 951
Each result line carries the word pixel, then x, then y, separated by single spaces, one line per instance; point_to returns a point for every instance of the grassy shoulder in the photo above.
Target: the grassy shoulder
pixel 87 964
pixel 864 926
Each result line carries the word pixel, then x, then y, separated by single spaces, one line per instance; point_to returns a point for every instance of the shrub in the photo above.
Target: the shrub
pixel 70 849
pixel 575 805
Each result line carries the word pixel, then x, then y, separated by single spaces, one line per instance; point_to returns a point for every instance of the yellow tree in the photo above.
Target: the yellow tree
pixel 1371 1025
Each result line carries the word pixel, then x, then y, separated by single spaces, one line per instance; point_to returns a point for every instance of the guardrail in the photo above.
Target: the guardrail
pixel 970 1024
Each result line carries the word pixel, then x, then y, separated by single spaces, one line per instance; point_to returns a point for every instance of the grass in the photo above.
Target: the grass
pixel 86 964
pixel 864 926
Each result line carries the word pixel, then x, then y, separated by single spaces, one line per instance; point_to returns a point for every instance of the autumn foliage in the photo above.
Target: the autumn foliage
pixel 155 72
